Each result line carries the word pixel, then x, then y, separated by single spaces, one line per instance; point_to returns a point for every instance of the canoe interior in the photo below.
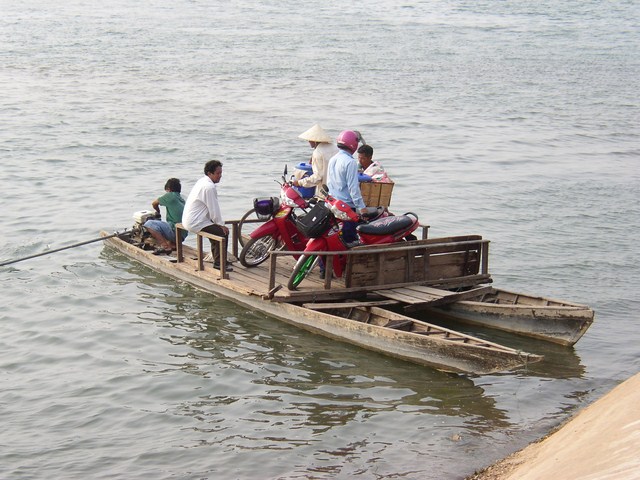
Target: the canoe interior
pixel 546 319
pixel 388 319
pixel 503 297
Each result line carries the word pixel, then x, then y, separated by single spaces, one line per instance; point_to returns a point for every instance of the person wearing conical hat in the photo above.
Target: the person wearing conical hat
pixel 323 149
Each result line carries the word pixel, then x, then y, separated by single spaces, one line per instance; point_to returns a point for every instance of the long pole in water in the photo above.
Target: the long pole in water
pixel 9 262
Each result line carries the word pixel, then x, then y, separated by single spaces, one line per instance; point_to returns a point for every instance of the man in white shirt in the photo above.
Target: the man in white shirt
pixel 202 210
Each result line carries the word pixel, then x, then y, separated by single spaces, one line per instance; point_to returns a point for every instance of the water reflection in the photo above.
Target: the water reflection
pixel 293 376
pixel 249 384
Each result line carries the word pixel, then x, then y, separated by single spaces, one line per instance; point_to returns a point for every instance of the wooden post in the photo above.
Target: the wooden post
pixel 236 238
pixel 222 249
pixel 465 266
pixel 199 251
pixel 408 267
pixel 485 257
pixel 348 271
pixel 328 271
pixel 272 270
pixel 379 275
pixel 179 255
pixel 426 266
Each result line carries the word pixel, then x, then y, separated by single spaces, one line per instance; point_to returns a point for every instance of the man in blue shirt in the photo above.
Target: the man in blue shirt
pixel 342 179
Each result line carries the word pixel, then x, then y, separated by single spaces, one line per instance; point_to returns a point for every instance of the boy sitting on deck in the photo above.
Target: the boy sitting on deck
pixel 164 233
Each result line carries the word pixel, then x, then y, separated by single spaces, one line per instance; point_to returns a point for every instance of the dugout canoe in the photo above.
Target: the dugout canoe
pixel 386 332
pixel 543 318
pixel 439 347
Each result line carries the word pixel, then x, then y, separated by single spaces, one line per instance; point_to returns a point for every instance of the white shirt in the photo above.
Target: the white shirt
pixel 319 164
pixel 202 208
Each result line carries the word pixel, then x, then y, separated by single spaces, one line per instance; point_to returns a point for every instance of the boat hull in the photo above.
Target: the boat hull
pixel 408 346
pixel 550 320
pixel 446 350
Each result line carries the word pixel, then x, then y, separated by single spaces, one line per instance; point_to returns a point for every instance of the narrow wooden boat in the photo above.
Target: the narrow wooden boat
pixel 425 343
pixel 384 332
pixel 543 318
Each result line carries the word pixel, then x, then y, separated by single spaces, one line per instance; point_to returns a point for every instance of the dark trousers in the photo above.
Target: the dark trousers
pixel 215 246
pixel 349 233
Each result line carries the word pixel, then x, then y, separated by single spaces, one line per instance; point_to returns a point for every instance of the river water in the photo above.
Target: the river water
pixel 514 120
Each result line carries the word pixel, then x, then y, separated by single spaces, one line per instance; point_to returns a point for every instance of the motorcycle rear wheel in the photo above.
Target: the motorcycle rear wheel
pixel 303 267
pixel 247 224
pixel 257 250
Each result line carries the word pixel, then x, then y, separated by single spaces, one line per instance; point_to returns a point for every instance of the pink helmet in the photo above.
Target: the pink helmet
pixel 349 140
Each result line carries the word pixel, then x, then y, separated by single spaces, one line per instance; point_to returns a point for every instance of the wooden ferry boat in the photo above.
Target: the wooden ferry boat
pixel 339 308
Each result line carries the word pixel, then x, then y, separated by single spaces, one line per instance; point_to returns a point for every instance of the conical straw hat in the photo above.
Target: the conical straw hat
pixel 316 134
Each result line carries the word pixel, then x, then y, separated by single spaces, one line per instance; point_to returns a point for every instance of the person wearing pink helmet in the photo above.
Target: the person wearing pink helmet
pixel 343 179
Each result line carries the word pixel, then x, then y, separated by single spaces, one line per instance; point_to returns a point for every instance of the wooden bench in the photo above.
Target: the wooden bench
pixel 199 249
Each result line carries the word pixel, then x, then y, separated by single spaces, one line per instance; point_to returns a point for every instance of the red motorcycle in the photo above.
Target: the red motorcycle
pixel 279 229
pixel 322 224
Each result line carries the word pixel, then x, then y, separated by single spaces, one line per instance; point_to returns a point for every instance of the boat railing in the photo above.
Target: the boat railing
pixel 236 233
pixel 467 258
pixel 453 261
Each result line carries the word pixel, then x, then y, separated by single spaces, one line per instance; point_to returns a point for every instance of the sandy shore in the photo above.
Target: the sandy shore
pixel 600 442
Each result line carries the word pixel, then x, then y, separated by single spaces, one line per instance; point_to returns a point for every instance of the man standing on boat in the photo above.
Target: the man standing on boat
pixel 323 150
pixel 202 210
pixel 343 180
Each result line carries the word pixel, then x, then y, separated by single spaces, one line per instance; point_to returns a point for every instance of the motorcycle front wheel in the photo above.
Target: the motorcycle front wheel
pixel 257 250
pixel 304 265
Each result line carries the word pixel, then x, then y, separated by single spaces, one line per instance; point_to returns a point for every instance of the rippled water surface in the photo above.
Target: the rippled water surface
pixel 512 120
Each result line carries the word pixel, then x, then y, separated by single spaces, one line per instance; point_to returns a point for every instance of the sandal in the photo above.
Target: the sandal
pixel 162 251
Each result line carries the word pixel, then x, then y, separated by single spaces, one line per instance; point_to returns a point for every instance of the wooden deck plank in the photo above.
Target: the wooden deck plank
pixel 453 296
pixel 450 297
pixel 401 296
pixel 328 306
pixel 417 297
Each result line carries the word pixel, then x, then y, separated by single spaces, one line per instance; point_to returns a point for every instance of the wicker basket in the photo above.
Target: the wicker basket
pixel 376 194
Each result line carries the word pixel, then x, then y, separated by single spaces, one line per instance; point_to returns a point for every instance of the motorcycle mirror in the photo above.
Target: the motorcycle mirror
pixel 360 137
pixel 285 171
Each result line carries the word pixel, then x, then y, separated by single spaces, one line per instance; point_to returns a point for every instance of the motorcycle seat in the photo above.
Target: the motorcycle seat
pixel 373 212
pixel 386 225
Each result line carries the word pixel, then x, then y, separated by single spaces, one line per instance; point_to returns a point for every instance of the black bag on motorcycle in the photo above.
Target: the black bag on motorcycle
pixel 315 222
